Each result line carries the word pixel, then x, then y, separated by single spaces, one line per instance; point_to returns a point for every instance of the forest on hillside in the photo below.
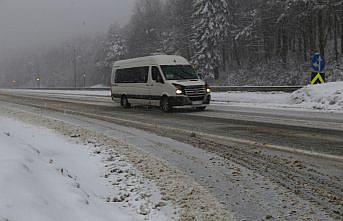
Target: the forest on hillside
pixel 229 42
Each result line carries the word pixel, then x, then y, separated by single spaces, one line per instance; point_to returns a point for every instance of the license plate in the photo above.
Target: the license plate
pixel 197 102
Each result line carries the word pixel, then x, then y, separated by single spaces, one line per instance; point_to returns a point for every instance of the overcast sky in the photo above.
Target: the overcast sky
pixel 43 22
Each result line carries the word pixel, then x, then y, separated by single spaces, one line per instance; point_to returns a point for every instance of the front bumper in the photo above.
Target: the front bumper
pixel 185 101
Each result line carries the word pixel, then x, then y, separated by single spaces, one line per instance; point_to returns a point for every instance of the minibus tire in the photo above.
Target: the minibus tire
pixel 165 105
pixel 125 102
pixel 201 108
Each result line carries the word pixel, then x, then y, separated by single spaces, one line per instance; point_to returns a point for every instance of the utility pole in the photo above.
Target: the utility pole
pixel 75 70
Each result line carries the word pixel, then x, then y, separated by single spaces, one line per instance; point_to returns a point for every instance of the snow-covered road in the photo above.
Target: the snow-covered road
pixel 247 140
pixel 245 193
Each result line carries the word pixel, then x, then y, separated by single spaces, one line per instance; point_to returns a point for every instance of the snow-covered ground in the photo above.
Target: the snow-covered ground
pixel 251 98
pixel 325 97
pixel 103 93
pixel 49 177
pixel 98 86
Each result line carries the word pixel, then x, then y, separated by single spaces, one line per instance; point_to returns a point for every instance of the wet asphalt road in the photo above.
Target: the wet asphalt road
pixel 311 131
pixel 316 132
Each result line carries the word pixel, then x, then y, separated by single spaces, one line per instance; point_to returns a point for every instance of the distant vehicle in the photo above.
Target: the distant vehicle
pixel 162 80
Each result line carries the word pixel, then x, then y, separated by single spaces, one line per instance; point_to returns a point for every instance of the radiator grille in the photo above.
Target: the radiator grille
pixel 195 93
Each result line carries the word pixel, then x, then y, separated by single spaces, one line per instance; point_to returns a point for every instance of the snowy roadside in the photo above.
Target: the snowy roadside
pixel 265 99
pixel 321 97
pixel 94 173
pixel 103 93
pixel 43 176
pixel 325 97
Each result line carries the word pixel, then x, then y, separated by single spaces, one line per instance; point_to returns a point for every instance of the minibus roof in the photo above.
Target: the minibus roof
pixel 152 60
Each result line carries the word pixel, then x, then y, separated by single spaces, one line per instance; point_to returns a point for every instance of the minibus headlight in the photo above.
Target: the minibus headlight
pixel 208 89
pixel 179 92
pixel 179 89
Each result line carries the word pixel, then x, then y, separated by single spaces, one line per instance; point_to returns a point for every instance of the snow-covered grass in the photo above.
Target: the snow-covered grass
pixel 47 177
pixel 99 86
pixel 103 93
pixel 251 97
pixel 326 97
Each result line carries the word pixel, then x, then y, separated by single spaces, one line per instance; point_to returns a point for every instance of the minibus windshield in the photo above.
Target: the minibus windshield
pixel 179 72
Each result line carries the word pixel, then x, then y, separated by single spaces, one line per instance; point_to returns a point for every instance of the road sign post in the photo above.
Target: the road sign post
pixel 318 62
pixel 318 65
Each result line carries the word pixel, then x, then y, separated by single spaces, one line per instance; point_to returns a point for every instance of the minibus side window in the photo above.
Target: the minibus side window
pixel 113 78
pixel 119 76
pixel 132 75
pixel 156 75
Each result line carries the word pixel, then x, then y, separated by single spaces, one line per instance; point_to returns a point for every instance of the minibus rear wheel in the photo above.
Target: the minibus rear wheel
pixel 165 105
pixel 124 102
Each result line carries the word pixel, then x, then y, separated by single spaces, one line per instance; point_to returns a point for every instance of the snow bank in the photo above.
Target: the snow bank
pixel 251 97
pixel 99 86
pixel 45 177
pixel 323 97
pixel 326 97
pixel 104 93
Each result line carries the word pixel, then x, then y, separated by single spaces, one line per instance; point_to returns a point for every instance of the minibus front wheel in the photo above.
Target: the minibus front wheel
pixel 201 108
pixel 165 105
pixel 124 102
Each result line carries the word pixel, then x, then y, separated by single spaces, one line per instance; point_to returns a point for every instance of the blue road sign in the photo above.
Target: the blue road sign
pixel 318 62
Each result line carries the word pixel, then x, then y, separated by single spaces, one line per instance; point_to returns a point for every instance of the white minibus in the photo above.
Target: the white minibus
pixel 167 81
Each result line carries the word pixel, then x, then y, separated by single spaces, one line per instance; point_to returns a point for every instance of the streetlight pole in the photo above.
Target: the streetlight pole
pixel 38 80
pixel 75 70
pixel 84 79
pixel 14 83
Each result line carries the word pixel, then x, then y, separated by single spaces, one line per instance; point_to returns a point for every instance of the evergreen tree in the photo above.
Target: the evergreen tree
pixel 116 48
pixel 177 36
pixel 212 26
pixel 145 29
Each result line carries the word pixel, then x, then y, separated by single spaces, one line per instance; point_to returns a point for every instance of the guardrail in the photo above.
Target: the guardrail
pixel 288 89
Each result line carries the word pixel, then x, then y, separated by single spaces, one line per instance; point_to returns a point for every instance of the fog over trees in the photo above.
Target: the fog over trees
pixel 230 42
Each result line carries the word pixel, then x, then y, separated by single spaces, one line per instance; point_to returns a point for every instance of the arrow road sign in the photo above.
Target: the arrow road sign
pixel 317 78
pixel 318 62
